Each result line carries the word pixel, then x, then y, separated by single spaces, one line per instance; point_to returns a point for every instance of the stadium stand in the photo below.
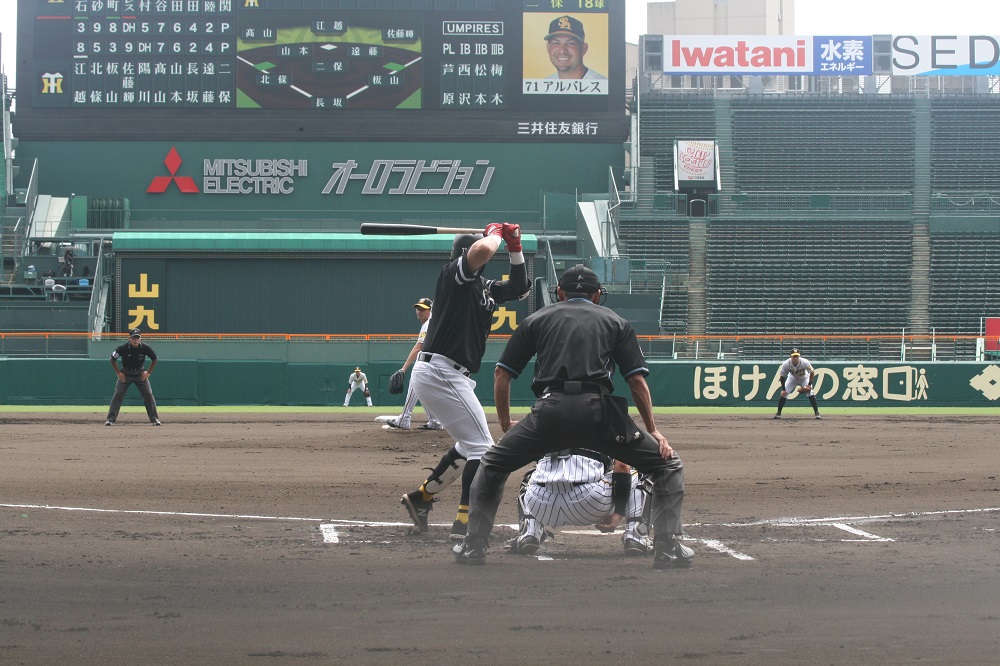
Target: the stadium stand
pixel 965 280
pixel 823 144
pixel 965 144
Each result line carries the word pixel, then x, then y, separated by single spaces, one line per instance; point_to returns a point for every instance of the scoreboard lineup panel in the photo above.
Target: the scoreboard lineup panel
pixel 458 60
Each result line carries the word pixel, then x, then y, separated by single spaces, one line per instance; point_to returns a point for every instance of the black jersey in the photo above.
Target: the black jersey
pixel 133 358
pixel 464 303
pixel 575 340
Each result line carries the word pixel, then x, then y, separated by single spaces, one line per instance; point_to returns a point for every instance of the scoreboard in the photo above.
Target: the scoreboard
pixel 306 70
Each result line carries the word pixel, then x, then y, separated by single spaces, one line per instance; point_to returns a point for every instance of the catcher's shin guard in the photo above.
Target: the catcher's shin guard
pixel 449 469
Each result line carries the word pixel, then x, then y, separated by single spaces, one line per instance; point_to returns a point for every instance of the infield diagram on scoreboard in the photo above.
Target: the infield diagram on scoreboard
pixel 330 63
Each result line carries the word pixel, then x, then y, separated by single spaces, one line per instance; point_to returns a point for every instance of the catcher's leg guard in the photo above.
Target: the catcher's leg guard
pixel 449 469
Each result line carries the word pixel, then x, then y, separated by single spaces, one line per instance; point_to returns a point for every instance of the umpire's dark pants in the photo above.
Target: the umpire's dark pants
pixel 561 421
pixel 144 389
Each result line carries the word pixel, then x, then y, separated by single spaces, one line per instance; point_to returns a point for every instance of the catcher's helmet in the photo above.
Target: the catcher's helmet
pixel 462 243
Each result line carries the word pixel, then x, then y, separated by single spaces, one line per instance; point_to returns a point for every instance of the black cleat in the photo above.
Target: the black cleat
pixel 472 550
pixel 418 508
pixel 671 554
pixel 776 416
pixel 156 422
pixel 636 546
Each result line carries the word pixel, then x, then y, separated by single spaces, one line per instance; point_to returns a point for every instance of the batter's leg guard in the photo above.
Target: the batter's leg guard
pixel 448 469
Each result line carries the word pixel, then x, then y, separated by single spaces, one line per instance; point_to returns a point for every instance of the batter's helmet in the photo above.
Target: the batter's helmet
pixel 462 243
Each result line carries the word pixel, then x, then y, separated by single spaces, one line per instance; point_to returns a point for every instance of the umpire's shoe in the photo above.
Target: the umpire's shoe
pixel 418 507
pixel 472 550
pixel 671 554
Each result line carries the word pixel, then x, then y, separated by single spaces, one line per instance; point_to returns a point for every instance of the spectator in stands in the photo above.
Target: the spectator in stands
pixel 67 265
pixel 566 46
pixel 86 271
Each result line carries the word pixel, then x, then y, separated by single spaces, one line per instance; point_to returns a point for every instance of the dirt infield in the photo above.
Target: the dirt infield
pixel 229 539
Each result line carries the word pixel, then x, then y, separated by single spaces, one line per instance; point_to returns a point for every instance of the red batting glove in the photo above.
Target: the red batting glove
pixel 512 236
pixel 493 229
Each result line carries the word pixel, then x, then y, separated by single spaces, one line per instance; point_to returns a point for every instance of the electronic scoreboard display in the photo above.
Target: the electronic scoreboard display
pixel 469 70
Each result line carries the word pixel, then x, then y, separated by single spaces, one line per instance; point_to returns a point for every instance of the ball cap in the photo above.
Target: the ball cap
pixel 136 333
pixel 424 304
pixel 579 279
pixel 565 25
pixel 794 352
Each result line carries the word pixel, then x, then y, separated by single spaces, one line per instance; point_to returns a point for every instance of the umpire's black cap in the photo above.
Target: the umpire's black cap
pixel 136 333
pixel 580 279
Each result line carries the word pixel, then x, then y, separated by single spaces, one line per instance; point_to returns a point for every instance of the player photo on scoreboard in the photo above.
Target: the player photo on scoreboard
pixel 565 54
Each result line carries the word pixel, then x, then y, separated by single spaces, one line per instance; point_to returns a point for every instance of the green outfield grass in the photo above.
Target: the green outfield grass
pixel 375 411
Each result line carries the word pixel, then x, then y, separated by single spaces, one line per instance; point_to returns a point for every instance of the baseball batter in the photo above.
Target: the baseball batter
pixel 797 374
pixel 464 302
pixel 357 380
pixel 581 487
pixel 423 310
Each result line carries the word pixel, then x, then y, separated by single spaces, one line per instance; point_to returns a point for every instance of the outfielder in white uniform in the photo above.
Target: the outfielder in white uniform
pixel 578 487
pixel 797 374
pixel 357 380
pixel 423 310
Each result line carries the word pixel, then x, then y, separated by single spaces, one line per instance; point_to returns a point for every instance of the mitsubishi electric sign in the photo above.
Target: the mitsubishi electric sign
pixel 236 176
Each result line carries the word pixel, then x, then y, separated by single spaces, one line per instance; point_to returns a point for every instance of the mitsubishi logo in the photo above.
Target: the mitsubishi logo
pixel 160 184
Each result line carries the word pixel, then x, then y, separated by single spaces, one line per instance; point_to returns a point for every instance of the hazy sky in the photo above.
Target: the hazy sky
pixel 812 17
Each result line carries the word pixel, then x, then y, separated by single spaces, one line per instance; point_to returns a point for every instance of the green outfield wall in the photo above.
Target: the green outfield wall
pixel 320 382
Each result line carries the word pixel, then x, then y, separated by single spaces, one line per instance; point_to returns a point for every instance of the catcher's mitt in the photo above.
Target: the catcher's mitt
pixel 396 382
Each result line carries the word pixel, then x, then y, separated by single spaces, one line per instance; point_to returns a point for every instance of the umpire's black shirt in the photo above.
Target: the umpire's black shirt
pixel 133 358
pixel 576 340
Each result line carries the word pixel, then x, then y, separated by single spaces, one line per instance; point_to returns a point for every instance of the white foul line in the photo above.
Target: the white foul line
pixel 353 523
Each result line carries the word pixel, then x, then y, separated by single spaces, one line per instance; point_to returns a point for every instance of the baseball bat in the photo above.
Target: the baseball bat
pixel 381 229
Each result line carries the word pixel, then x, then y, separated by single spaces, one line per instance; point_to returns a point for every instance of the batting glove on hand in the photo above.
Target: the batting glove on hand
pixel 493 229
pixel 512 236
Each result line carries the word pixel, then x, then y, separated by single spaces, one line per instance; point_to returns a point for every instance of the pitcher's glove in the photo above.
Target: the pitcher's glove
pixel 396 382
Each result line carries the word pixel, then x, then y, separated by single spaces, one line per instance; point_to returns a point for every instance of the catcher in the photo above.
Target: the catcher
pixel 423 311
pixel 357 380
pixel 797 374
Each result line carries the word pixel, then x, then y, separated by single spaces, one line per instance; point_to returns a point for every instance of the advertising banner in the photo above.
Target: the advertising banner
pixel 767 54
pixel 695 161
pixel 950 55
